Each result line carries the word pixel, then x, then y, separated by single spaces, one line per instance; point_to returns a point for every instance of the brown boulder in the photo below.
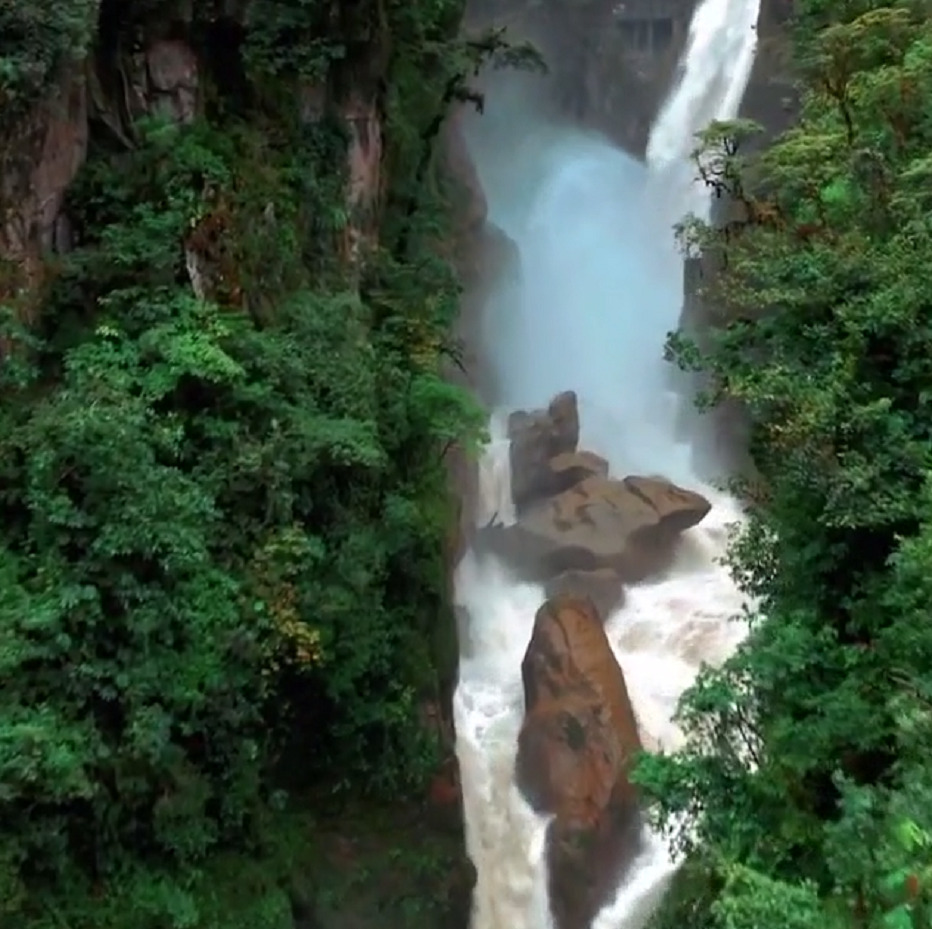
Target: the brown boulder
pixel 538 436
pixel 677 509
pixel 603 587
pixel 568 469
pixel 575 749
pixel 563 471
pixel 628 526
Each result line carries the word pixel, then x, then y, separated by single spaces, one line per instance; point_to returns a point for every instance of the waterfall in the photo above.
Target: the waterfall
pixel 712 77
pixel 600 287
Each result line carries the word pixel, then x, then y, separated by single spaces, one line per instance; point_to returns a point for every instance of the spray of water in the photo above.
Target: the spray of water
pixel 600 287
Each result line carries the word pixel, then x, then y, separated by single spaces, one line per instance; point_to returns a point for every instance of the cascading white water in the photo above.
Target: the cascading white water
pixel 713 74
pixel 601 285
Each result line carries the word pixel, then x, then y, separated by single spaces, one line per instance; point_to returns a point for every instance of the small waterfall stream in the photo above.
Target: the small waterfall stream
pixel 601 285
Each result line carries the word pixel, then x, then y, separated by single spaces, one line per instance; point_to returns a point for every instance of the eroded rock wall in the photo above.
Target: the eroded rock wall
pixel 40 155
pixel 166 71
pixel 610 63
pixel 771 96
pixel 163 75
pixel 484 256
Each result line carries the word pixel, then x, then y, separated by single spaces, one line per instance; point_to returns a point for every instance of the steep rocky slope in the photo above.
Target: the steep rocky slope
pixel 228 293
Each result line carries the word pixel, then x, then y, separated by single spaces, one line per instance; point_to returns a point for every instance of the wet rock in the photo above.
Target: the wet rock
pixel 484 257
pixel 457 896
pixel 469 195
pixel 628 526
pixel 39 158
pixel 604 587
pixel 677 509
pixel 173 80
pixel 575 749
pixel 445 798
pixel 771 98
pixel 562 472
pixel 537 437
pixel 463 623
pixel 488 262
pixel 573 468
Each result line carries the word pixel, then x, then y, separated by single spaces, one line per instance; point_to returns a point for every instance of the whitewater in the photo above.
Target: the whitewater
pixel 599 288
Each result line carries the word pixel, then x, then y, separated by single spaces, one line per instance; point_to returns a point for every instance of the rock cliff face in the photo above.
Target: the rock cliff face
pixel 627 67
pixel 40 155
pixel 484 254
pixel 610 63
pixel 631 67
pixel 170 69
pixel 771 98
pixel 110 90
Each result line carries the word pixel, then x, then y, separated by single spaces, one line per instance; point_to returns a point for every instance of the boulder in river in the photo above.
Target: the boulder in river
pixel 602 586
pixel 537 437
pixel 575 749
pixel 564 471
pixel 627 526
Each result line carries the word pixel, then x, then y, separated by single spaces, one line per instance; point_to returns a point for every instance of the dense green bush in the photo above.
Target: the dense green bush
pixel 36 38
pixel 222 486
pixel 807 770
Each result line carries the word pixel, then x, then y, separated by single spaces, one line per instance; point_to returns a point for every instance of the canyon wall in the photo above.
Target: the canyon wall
pixel 173 65
pixel 610 63
pixel 181 63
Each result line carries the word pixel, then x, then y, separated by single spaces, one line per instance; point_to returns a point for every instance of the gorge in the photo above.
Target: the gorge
pixel 365 561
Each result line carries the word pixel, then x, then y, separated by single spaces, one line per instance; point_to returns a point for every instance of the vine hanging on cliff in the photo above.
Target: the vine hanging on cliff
pixel 466 59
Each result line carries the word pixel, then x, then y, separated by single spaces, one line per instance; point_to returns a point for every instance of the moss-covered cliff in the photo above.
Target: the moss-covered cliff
pixel 227 293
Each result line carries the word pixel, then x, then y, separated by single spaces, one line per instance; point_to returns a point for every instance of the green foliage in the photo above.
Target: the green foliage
pixel 223 492
pixel 36 38
pixel 295 38
pixel 806 773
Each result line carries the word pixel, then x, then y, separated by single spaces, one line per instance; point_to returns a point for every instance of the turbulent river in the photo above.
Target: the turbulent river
pixel 600 286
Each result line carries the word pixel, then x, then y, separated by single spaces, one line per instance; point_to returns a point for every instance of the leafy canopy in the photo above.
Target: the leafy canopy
pixel 807 772
pixel 223 497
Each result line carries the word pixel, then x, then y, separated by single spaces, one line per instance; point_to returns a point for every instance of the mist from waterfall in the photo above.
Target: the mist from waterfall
pixel 600 287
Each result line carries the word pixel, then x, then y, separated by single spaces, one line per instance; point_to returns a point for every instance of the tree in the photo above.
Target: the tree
pixel 799 773
pixel 223 497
